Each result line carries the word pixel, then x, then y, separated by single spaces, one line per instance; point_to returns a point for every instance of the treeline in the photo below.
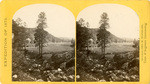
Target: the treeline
pixel 20 35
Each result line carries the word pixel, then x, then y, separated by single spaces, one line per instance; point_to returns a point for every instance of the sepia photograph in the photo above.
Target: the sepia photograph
pixel 107 44
pixel 43 44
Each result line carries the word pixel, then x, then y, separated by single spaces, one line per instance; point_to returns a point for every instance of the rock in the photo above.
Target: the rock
pixel 102 80
pixel 15 76
pixel 102 66
pixel 92 69
pixel 78 76
pixel 35 65
pixel 97 66
pixel 133 77
pixel 30 69
pixel 110 71
pixel 48 71
pixel 124 73
pixel 127 78
pixel 59 70
pixel 71 77
pixel 134 63
pixel 125 66
pixel 54 71
pixel 51 76
pixel 65 78
pixel 63 65
pixel 47 66
pixel 39 80
pixel 107 72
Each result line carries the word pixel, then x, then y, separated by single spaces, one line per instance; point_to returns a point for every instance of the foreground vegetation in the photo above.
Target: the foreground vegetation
pixel 54 66
pixel 117 66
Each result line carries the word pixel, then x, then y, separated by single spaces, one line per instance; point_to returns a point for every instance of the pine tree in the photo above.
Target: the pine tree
pixel 103 34
pixel 83 35
pixel 40 35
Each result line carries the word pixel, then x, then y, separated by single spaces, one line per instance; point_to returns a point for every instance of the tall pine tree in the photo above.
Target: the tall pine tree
pixel 103 34
pixel 40 35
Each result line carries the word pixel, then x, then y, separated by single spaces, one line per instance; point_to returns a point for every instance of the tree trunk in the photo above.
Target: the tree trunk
pixel 87 49
pixel 41 51
pixel 25 50
pixel 103 50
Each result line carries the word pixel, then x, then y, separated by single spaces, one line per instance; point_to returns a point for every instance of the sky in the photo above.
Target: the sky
pixel 60 21
pixel 123 21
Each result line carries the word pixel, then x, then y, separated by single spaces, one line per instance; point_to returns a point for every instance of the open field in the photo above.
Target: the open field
pixel 53 47
pixel 115 48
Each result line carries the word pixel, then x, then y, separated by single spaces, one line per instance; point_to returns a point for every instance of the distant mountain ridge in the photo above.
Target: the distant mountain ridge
pixel 112 38
pixel 49 37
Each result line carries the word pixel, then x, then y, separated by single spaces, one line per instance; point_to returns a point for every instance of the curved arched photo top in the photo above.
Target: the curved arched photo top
pixel 43 44
pixel 60 20
pixel 123 21
pixel 108 36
